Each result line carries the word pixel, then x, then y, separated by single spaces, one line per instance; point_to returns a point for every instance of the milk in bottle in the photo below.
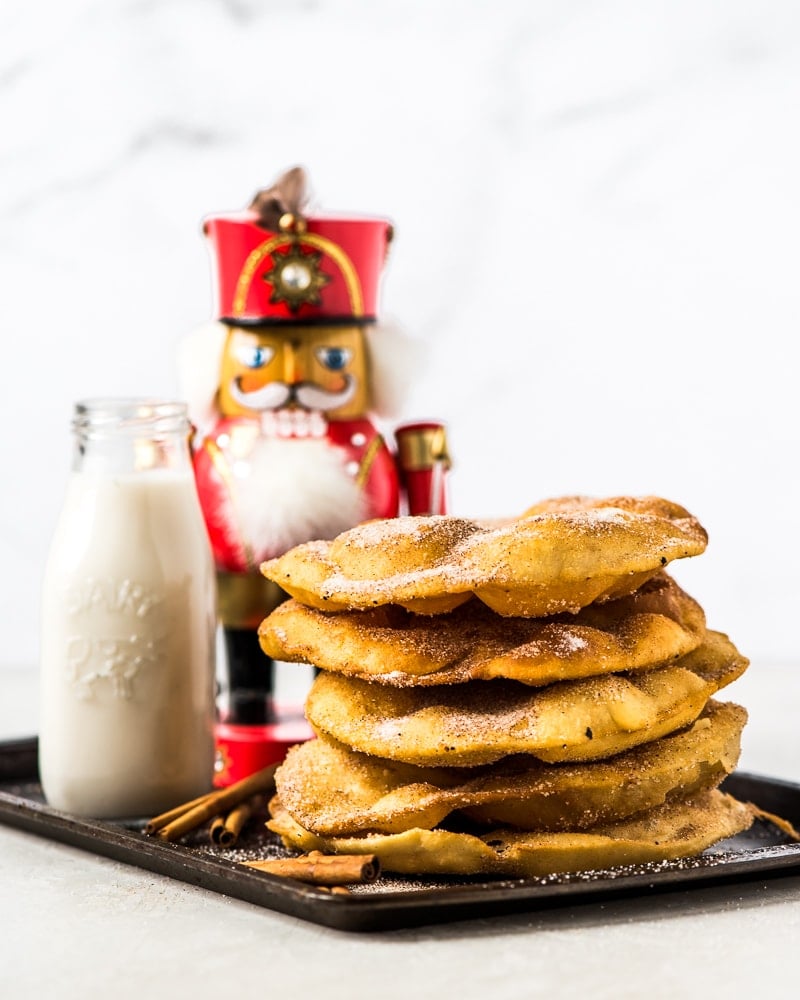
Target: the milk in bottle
pixel 128 620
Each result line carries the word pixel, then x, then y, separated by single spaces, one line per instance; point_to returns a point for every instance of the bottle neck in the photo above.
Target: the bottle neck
pixel 121 436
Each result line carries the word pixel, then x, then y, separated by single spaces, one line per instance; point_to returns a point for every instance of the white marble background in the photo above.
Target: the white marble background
pixel 597 212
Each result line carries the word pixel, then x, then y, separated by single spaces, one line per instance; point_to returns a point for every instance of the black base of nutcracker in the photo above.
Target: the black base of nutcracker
pixel 250 679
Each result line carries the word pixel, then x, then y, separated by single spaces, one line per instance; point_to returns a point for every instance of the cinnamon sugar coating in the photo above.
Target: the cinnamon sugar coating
pixel 480 722
pixel 562 555
pixel 331 790
pixel 675 830
pixel 651 628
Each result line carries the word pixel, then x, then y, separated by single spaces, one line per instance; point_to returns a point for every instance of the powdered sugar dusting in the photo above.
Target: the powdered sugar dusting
pixel 392 646
pixel 562 557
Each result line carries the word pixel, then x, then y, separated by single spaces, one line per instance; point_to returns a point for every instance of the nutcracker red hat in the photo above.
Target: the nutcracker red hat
pixel 275 264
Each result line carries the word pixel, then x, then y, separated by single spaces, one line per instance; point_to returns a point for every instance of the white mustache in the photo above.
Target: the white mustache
pixel 275 395
pixel 269 397
pixel 313 397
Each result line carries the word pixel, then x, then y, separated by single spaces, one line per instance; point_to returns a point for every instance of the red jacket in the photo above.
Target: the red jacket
pixel 364 456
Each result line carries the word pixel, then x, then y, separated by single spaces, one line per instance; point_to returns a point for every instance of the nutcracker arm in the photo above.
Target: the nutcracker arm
pixel 423 463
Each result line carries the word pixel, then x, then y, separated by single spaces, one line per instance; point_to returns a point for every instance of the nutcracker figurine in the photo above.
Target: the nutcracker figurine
pixel 288 382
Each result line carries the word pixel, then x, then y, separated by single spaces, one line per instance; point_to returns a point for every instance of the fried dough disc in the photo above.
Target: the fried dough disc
pixel 656 625
pixel 329 789
pixel 676 830
pixel 477 723
pixel 563 555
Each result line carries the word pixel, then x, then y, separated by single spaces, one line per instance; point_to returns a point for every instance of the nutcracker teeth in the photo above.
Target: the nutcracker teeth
pixel 318 424
pixel 284 427
pixel 269 426
pixel 293 424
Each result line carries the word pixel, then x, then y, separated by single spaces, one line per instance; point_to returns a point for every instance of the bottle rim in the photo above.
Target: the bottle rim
pixel 135 415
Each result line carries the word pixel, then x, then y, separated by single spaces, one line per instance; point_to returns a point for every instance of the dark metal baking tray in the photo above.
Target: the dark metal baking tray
pixel 393 903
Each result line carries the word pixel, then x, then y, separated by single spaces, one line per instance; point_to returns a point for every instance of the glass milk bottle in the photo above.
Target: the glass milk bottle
pixel 128 620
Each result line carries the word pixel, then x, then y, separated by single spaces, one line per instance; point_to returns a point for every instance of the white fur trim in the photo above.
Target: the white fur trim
pixel 293 491
pixel 199 358
pixel 395 360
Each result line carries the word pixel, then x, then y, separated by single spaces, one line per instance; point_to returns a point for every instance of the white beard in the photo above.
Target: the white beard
pixel 290 491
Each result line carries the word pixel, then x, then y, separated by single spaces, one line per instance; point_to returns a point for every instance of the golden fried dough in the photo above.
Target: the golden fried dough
pixel 656 625
pixel 331 790
pixel 676 830
pixel 561 556
pixel 480 722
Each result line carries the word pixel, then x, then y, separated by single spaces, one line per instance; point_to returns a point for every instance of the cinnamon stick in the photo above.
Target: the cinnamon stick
pixel 157 822
pixel 218 802
pixel 216 828
pixel 323 869
pixel 236 819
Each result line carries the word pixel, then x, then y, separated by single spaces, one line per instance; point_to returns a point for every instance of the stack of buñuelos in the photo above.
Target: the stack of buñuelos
pixel 515 698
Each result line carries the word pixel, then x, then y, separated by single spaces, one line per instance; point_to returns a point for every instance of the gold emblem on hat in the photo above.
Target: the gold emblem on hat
pixel 296 277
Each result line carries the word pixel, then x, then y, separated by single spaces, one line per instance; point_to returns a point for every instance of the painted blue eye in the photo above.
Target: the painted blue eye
pixel 334 358
pixel 254 355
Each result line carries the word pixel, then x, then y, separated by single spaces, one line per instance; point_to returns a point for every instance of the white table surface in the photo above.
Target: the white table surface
pixel 77 925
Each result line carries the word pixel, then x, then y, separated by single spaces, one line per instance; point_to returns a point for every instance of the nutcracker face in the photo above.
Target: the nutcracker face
pixel 316 368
